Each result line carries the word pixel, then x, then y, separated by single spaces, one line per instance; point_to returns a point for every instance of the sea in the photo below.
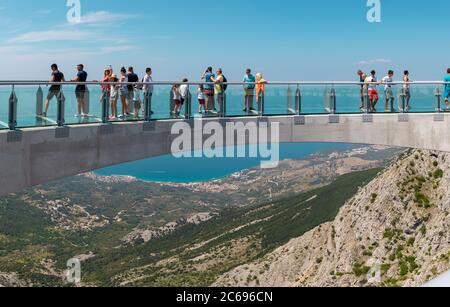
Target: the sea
pixel 185 170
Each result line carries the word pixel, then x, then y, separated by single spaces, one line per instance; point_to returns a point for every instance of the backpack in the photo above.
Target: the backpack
pixel 224 86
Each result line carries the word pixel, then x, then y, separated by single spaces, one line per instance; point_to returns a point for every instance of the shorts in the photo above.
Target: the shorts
pixel 447 94
pixel 136 95
pixel 137 104
pixel 249 92
pixel 209 92
pixel 114 96
pixel 129 95
pixel 407 93
pixel 177 102
pixel 389 94
pixel 202 102
pixel 53 93
pixel 373 94
pixel 80 94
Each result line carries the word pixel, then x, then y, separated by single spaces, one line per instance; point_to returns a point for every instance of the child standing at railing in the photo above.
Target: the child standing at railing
pixel 201 99
pixel 176 99
pixel 114 96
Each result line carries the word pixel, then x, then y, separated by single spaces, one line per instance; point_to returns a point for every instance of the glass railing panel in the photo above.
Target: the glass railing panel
pixel 423 98
pixel 162 103
pixel 313 99
pixel 82 106
pixel 235 102
pixel 281 100
pixel 349 98
pixel 5 92
pixel 31 100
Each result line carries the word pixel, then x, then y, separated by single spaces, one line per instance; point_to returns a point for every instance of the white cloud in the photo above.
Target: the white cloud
pixel 103 17
pixel 119 49
pixel 52 35
pixel 374 61
pixel 13 49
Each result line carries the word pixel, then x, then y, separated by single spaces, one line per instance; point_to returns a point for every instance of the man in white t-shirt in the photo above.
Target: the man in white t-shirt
pixel 148 92
pixel 184 91
pixel 388 93
pixel 372 82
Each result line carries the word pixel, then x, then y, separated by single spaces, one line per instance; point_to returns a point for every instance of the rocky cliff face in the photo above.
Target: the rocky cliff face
pixel 394 232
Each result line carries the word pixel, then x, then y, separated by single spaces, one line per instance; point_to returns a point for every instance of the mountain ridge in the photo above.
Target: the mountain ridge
pixel 393 232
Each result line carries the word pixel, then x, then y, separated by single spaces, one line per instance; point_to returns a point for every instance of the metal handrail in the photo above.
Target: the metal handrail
pixel 38 82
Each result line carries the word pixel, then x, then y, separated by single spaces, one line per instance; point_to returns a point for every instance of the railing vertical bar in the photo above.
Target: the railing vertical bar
pixel 60 116
pixel 12 118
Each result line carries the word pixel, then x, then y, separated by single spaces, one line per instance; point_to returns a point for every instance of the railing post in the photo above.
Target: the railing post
pixel 12 118
pixel 39 102
pixel 332 101
pixel 105 106
pixel 289 99
pixel 60 116
pixel 366 98
pixel 326 99
pixel 298 101
pixel 148 106
pixel 187 107
pixel 437 93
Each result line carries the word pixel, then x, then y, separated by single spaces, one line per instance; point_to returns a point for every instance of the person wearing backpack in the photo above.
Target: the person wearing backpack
pixel 209 76
pixel 219 88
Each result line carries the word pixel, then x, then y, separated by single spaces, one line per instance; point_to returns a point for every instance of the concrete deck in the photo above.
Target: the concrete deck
pixel 38 155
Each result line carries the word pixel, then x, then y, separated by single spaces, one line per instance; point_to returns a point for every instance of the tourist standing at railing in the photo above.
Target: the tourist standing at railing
pixel 80 91
pixel 176 99
pixel 148 87
pixel 388 93
pixel 137 101
pixel 114 96
pixel 132 78
pixel 407 90
pixel 362 79
pixel 371 82
pixel 209 76
pixel 106 88
pixel 54 89
pixel 447 90
pixel 201 99
pixel 219 89
pixel 123 92
pixel 260 87
pixel 249 90
pixel 184 91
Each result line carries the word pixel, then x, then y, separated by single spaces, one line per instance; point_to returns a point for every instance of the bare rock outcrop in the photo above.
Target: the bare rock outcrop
pixel 394 232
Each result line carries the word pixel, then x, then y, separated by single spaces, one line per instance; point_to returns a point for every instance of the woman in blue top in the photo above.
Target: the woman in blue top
pixel 209 76
pixel 447 89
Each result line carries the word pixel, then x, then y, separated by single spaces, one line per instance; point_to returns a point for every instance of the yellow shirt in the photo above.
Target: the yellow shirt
pixel 218 86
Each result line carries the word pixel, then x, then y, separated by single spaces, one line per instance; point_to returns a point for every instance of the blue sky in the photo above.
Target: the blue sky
pixel 284 39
